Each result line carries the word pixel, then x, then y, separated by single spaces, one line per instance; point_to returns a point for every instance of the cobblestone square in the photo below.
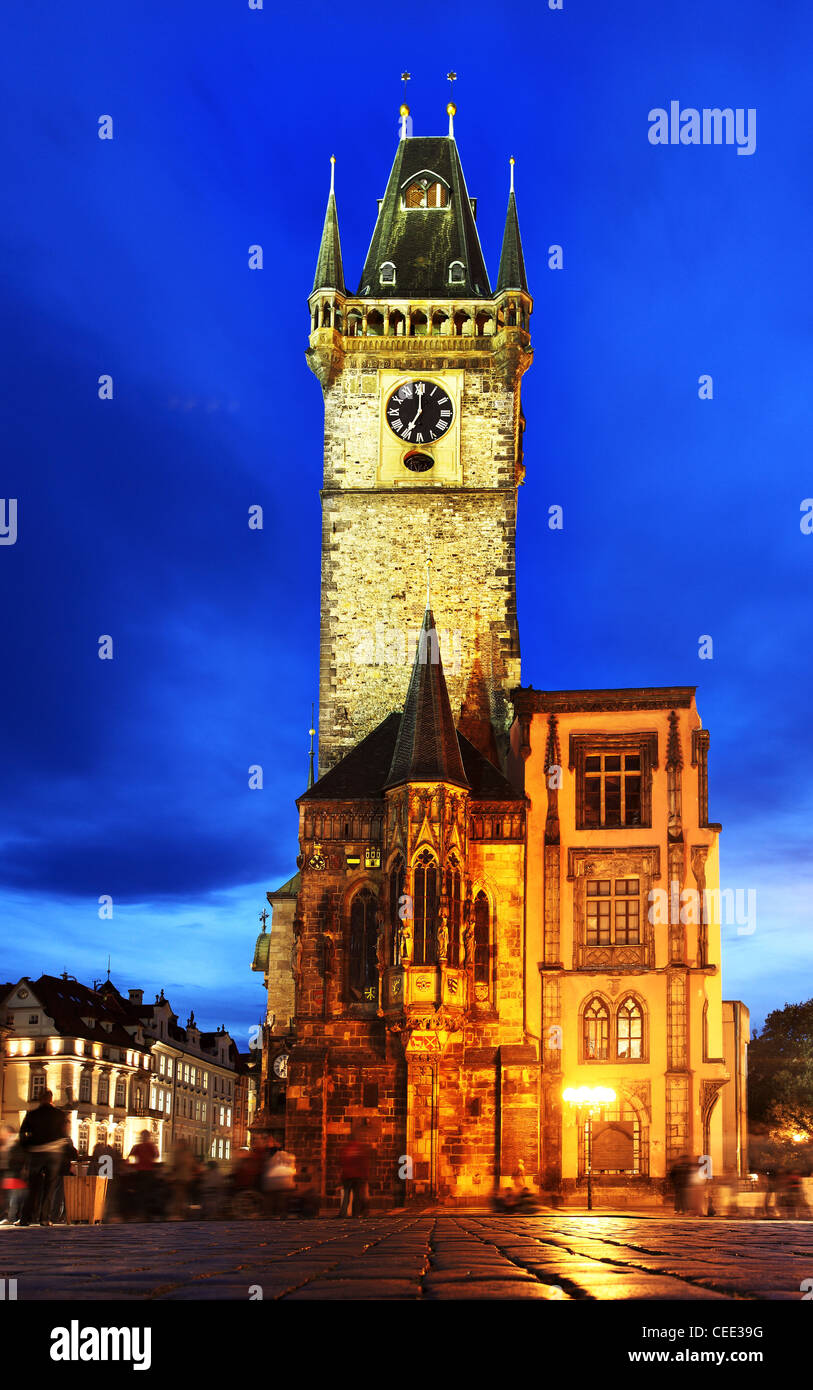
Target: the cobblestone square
pixel 421 1257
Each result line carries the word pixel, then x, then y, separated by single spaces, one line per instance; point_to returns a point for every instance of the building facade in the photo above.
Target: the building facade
pixel 484 913
pixel 118 1067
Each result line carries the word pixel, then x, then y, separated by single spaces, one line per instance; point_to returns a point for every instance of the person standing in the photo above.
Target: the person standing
pixel 43 1137
pixel 355 1170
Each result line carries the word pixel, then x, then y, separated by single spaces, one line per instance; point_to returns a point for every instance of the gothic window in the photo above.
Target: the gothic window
pixel 425 910
pixel 482 943
pixel 596 1031
pixel 452 894
pixel 363 973
pixel 387 275
pixel 613 912
pixel 457 273
pixel 630 1030
pixel 426 192
pixel 397 876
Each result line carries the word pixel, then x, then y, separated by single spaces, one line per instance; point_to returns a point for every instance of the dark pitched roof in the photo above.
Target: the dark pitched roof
pixel 329 273
pixel 427 745
pixel 423 242
pixel 68 1002
pixel 362 772
pixel 511 275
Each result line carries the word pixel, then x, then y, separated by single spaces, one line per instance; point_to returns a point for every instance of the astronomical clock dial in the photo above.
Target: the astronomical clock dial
pixel 281 1066
pixel 419 412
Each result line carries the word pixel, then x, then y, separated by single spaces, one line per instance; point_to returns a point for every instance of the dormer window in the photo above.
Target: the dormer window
pixel 457 273
pixel 426 190
pixel 387 276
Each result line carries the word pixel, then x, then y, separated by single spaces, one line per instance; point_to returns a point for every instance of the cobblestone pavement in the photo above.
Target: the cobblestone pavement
pixel 414 1257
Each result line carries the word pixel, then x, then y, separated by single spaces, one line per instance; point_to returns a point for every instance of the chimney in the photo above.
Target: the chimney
pixel 136 996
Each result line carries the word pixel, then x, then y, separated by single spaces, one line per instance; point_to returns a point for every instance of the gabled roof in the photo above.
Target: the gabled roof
pixel 511 275
pixel 423 242
pixel 69 1003
pixel 329 273
pixel 427 746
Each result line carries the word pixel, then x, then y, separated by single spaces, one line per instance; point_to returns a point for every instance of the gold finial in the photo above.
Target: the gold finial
pixel 511 162
pixel 403 110
pixel 332 170
pixel 450 111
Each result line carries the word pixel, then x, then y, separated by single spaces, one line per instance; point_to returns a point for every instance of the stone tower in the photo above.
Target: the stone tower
pixel 420 371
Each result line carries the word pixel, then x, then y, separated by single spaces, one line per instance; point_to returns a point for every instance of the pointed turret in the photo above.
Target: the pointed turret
pixel 511 274
pixel 426 747
pixel 329 274
pixel 425 240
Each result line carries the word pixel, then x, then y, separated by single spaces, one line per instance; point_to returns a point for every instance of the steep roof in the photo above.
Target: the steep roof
pixel 511 275
pixel 329 273
pixel 427 746
pixel 70 1003
pixel 423 242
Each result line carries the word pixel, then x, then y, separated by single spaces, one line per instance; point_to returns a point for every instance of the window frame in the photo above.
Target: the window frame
pixel 584 745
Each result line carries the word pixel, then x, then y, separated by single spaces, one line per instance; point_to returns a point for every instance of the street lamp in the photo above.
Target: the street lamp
pixel 588 1100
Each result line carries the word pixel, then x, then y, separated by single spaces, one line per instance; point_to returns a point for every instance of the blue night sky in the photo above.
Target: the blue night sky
pixel 682 517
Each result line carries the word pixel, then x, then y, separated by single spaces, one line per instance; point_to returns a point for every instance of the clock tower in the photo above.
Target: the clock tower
pixel 420 371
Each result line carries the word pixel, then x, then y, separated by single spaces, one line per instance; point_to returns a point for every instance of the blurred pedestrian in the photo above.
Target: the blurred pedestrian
pixel 679 1178
pixel 696 1195
pixel 355 1172
pixel 15 1184
pixel 212 1191
pixel 144 1158
pixel 43 1136
pixel 183 1175
pixel 279 1181
pixel 69 1157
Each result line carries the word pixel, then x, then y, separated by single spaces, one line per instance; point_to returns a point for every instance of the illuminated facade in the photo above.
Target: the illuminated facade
pixel 470 929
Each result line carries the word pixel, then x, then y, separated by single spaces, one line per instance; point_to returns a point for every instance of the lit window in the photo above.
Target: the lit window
pixel 169 1066
pixel 228 1118
pixel 612 789
pixel 228 1148
pixel 186 1073
pixel 162 1064
pixel 426 192
pixel 192 1076
pixel 596 1021
pixel 630 1030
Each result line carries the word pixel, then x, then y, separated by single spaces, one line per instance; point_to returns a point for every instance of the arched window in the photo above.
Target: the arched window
pixel 387 275
pixel 457 273
pixel 482 941
pixel 363 971
pixel 397 876
pixel 630 1030
pixel 425 910
pixel 452 895
pixel 596 1031
pixel 426 191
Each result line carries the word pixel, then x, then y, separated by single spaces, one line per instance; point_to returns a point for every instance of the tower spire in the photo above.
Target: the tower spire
pixel 329 274
pixel 427 746
pixel 511 275
pixel 312 732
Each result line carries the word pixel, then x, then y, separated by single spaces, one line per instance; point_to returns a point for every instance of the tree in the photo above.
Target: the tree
pixel 780 1088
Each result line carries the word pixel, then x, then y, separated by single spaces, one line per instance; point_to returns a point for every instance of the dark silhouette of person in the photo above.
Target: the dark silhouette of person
pixel 43 1135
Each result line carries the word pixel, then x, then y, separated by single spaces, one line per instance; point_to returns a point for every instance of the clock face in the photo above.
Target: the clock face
pixel 281 1066
pixel 419 412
